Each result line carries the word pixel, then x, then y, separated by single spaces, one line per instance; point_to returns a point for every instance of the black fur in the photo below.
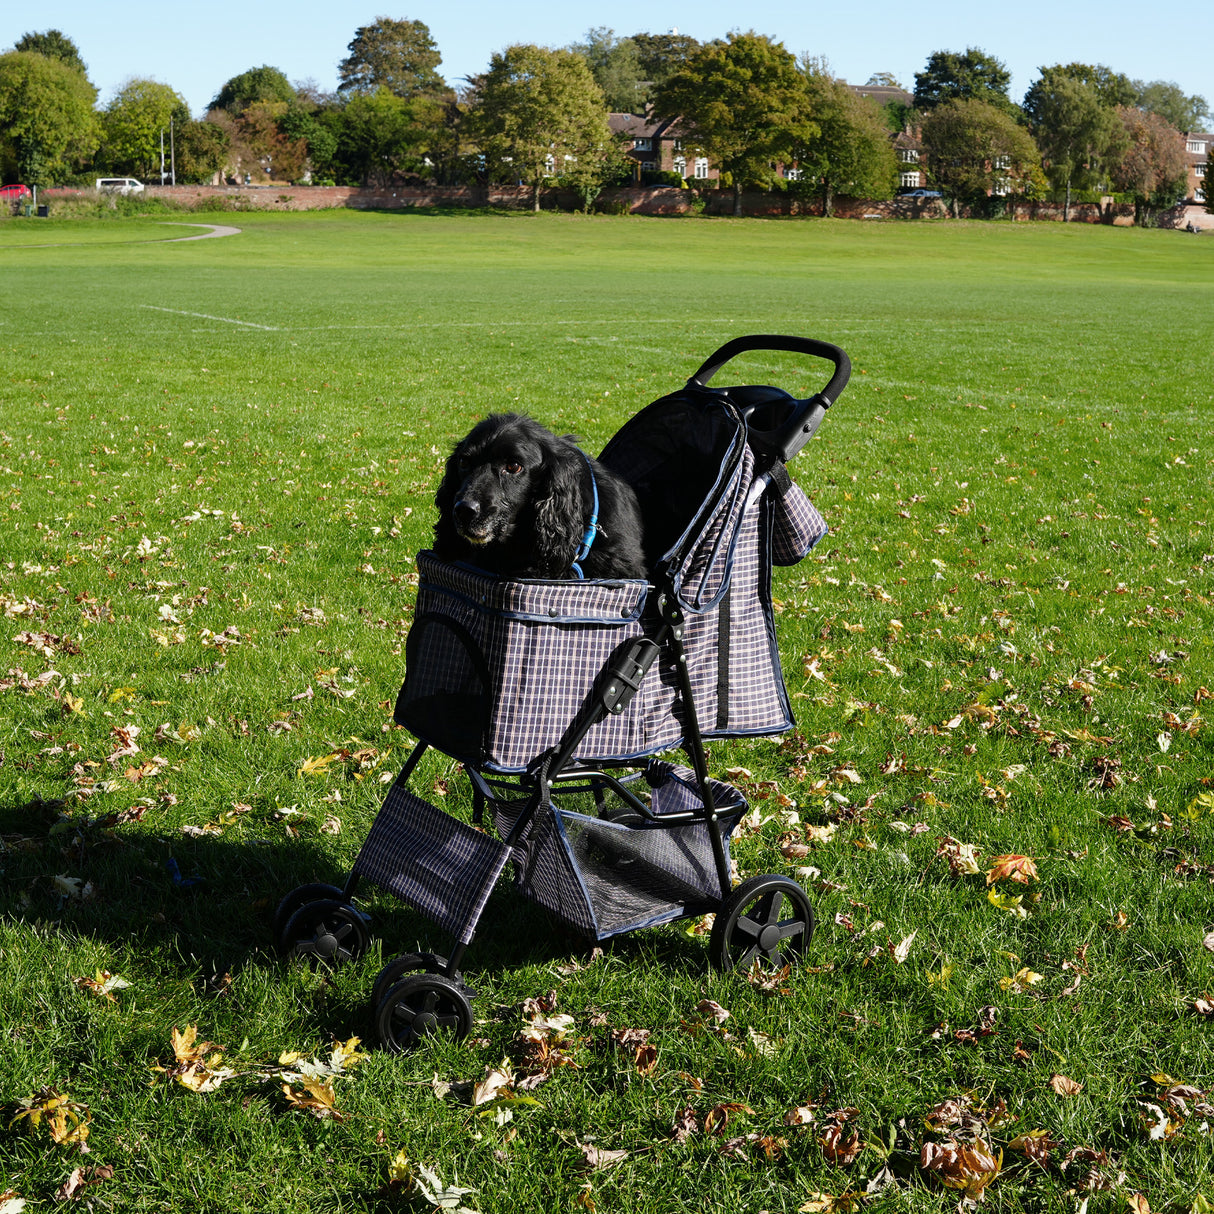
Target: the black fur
pixel 515 500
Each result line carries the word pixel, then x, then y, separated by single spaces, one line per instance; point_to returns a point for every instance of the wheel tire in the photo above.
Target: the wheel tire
pixel 407 963
pixel 766 919
pixel 419 1006
pixel 326 932
pixel 312 892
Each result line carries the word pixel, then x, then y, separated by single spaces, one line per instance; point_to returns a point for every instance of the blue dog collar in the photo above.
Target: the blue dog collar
pixel 592 527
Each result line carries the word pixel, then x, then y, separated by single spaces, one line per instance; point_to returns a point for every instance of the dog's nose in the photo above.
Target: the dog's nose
pixel 466 510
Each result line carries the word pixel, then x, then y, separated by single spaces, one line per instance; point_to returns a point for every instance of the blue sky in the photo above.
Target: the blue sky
pixel 196 49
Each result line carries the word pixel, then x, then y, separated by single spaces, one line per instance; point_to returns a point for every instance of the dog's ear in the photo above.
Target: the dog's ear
pixel 558 509
pixel 445 536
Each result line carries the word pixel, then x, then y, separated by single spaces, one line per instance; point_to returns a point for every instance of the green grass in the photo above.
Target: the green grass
pixel 1004 641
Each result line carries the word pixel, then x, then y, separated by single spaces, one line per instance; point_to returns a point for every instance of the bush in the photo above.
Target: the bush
pixel 660 177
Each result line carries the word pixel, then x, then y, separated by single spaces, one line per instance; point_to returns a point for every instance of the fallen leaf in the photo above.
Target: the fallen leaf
pixel 1064 1086
pixel 102 984
pixel 316 1098
pixel 67 1122
pixel 74 1185
pixel 497 1080
pixel 839 1146
pixel 901 951
pixel 958 1165
pixel 597 1159
pixel 1013 868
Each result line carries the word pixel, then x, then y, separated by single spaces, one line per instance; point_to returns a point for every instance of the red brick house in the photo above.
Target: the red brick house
pixel 655 145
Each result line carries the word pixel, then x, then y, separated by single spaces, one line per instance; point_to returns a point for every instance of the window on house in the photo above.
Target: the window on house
pixel 643 144
pixel 680 165
pixel 1199 170
pixel 677 144
pixel 909 156
pixel 1195 145
pixel 1002 162
pixel 792 174
pixel 701 169
pixel 1199 195
pixel 909 181
pixel 550 163
pixel 647 166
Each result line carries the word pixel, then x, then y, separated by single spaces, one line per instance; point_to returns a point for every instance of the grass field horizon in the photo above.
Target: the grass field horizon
pixel 217 464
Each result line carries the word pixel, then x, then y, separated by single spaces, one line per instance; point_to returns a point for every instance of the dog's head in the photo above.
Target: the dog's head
pixel 497 480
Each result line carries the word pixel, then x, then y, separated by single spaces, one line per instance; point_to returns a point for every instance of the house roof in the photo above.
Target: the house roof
pixel 642 126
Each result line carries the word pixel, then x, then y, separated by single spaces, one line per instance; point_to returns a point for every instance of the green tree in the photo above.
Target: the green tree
pixel 973 76
pixel 1078 135
pixel 615 64
pixel 534 110
pixel 851 152
pixel 1113 88
pixel 1153 169
pixel 744 103
pixel 382 135
pixel 263 83
pixel 47 121
pixel 132 123
pixel 400 56
pixel 54 45
pixel 304 122
pixel 974 151
pixel 1166 99
pixel 662 54
pixel 200 150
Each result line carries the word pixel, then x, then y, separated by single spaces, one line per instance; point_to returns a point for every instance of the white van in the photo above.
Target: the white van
pixel 119 185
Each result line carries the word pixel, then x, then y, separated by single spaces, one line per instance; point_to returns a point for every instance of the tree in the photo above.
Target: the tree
pixel 883 80
pixel 661 55
pixel 851 152
pixel 615 64
pixel 382 135
pixel 1113 88
pixel 534 110
pixel 132 125
pixel 973 76
pixel 306 122
pixel 46 116
pixel 974 150
pixel 400 56
pixel 54 45
pixel 201 150
pixel 1078 135
pixel 263 83
pixel 1154 168
pixel 1166 99
pixel 744 103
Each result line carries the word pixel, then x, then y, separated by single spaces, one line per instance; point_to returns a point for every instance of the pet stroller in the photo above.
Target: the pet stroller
pixel 558 697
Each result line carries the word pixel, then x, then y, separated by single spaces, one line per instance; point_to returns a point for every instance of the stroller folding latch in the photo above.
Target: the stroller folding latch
pixel 559 697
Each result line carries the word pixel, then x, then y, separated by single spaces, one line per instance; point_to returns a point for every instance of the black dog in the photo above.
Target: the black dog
pixel 518 501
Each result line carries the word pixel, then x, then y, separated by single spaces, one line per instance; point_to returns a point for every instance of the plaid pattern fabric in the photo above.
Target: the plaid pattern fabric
pixel 434 863
pixel 796 526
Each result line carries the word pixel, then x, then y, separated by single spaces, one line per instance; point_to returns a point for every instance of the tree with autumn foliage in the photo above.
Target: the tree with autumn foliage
pixel 1154 168
pixel 744 103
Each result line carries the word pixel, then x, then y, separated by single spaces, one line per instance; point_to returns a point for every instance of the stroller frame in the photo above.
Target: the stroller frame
pixel 632 862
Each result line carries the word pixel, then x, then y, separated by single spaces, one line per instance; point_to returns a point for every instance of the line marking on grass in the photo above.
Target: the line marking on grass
pixel 227 320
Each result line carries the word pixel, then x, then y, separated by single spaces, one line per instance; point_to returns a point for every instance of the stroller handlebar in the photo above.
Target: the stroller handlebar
pixel 794 430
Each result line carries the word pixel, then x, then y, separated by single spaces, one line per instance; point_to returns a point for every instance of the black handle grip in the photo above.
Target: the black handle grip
pixel 791 345
pixel 795 430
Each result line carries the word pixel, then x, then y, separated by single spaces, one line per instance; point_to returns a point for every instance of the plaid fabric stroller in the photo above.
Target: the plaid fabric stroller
pixel 558 697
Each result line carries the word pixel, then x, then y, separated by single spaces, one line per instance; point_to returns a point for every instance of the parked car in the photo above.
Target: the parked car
pixel 921 194
pixel 119 185
pixel 11 193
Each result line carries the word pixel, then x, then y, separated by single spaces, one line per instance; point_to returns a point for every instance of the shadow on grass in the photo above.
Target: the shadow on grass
pixel 204 906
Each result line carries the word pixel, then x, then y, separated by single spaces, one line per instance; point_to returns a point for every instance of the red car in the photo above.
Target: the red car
pixel 11 193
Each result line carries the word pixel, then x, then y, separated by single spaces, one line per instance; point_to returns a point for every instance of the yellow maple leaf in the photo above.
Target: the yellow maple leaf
pixel 315 765
pixel 316 1098
pixel 1005 902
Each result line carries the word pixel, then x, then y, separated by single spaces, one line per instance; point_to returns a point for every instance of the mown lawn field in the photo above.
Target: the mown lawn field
pixel 217 463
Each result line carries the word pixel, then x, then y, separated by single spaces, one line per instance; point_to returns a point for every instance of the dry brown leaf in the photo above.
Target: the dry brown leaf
pixel 824 1203
pixel 497 1081
pixel 959 1165
pixel 1064 1086
pixel 67 1122
pixel 316 1098
pixel 597 1159
pixel 720 1115
pixel 685 1124
pixel 838 1146
pixel 80 1178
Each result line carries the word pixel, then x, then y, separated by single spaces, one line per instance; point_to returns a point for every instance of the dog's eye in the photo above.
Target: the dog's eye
pixel 513 468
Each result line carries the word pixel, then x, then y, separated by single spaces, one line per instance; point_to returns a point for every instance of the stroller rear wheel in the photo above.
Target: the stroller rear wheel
pixel 767 919
pixel 301 894
pixel 419 1006
pixel 326 932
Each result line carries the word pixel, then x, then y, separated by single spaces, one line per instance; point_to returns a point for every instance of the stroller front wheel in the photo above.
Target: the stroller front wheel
pixel 302 894
pixel 766 919
pixel 419 1006
pixel 408 963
